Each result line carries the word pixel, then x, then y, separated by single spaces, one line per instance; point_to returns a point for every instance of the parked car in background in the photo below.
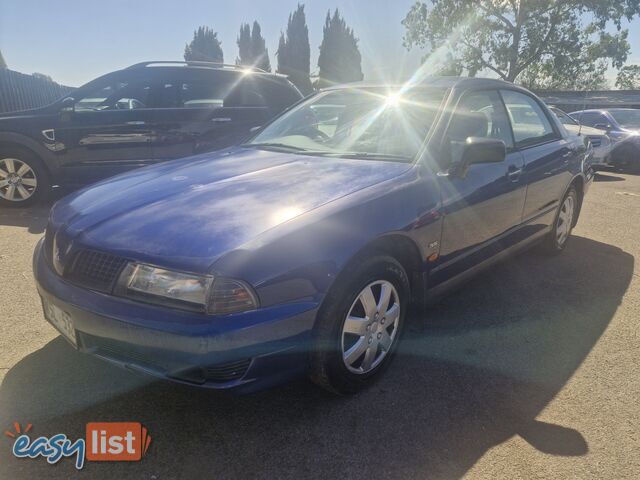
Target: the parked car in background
pixel 622 125
pixel 147 113
pixel 600 141
pixel 300 250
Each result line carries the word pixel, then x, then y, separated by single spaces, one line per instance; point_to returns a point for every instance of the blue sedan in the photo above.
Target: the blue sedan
pixel 301 250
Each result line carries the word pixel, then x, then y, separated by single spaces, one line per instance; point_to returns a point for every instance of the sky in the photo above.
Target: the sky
pixel 75 41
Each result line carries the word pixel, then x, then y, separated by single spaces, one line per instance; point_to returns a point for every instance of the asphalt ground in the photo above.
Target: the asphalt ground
pixel 531 370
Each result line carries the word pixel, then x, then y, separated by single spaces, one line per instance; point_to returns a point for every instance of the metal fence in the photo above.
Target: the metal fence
pixel 600 99
pixel 19 91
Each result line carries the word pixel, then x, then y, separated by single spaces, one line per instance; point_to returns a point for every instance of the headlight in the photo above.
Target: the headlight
pixel 187 291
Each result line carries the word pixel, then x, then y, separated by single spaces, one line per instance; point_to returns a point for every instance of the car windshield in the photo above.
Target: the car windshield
pixel 563 117
pixel 627 118
pixel 356 123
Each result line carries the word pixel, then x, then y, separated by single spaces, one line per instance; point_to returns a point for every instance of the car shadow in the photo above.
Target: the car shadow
pixel 492 356
pixel 33 218
pixel 600 177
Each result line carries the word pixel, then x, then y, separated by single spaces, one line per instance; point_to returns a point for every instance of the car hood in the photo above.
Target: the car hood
pixel 186 213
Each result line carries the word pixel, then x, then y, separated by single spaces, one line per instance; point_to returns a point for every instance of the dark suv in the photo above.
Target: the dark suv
pixel 147 113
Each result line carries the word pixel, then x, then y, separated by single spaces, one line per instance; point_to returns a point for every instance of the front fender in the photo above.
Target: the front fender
pixel 302 259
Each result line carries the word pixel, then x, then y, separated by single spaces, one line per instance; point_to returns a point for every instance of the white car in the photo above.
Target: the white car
pixel 600 141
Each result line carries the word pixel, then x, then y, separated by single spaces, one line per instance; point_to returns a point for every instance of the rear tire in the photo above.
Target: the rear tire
pixel 356 332
pixel 556 241
pixel 24 179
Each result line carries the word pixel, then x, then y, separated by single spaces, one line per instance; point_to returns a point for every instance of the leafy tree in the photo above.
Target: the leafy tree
pixel 628 78
pixel 549 42
pixel 205 46
pixel 294 53
pixel 252 49
pixel 340 60
pixel 3 64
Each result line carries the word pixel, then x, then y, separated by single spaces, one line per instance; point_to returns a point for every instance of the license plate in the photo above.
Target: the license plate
pixel 61 320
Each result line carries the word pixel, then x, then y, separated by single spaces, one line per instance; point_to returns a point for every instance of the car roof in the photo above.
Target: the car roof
pixel 442 82
pixel 602 110
pixel 181 65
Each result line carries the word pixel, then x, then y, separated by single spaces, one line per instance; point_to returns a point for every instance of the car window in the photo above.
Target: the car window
pixel 200 90
pixel 278 94
pixel 212 90
pixel 120 93
pixel 529 123
pixel 563 117
pixel 590 118
pixel 626 118
pixel 480 114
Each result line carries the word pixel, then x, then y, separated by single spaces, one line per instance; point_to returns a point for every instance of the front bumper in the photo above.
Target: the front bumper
pixel 244 352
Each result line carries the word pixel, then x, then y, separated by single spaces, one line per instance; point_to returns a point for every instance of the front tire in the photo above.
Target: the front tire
pixel 359 326
pixel 24 180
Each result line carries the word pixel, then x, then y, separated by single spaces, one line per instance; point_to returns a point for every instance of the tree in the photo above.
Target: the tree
pixel 258 49
pixel 629 78
pixel 244 46
pixel 252 49
pixel 340 60
pixel 205 46
pixel 547 41
pixel 294 53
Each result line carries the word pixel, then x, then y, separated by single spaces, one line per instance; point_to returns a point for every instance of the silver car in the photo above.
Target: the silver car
pixel 601 142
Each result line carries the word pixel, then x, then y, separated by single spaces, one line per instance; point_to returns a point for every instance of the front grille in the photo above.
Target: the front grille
pixel 226 371
pixel 96 270
pixel 596 141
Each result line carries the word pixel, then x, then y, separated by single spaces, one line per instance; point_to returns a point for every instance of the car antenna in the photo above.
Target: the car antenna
pixel 584 106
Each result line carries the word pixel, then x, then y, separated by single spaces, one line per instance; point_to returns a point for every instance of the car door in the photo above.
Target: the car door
pixel 483 206
pixel 204 110
pixel 547 157
pixel 106 131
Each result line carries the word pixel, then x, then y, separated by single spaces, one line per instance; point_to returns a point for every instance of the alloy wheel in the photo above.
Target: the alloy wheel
pixel 18 181
pixel 370 327
pixel 565 220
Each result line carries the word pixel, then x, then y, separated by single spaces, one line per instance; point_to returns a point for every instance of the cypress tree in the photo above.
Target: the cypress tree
pixel 294 53
pixel 340 60
pixel 244 46
pixel 259 51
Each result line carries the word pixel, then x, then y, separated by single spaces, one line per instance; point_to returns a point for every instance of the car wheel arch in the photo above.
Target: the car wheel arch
pixel 13 140
pixel 398 246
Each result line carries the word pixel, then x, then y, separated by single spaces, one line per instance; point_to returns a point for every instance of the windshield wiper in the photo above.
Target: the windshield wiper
pixel 274 145
pixel 371 156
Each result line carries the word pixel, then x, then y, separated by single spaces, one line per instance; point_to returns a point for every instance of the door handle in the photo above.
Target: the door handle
pixel 221 119
pixel 136 122
pixel 514 173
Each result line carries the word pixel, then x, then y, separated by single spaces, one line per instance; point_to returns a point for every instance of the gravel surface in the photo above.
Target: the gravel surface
pixel 531 370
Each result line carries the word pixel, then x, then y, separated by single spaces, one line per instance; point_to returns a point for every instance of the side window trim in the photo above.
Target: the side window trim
pixel 517 147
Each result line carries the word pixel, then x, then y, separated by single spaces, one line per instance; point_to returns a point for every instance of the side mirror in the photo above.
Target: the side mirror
pixel 478 150
pixel 602 126
pixel 68 105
